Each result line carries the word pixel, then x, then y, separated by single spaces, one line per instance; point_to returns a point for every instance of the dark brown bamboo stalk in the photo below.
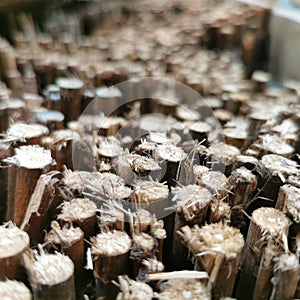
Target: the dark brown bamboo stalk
pixel 28 163
pixel 70 93
pixel 13 244
pixel 111 252
pixel 39 206
pixel 192 204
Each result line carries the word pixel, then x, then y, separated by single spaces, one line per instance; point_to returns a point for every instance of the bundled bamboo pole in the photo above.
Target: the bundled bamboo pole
pixel 28 163
pixel 13 245
pixel 218 250
pixel 11 289
pixel 51 276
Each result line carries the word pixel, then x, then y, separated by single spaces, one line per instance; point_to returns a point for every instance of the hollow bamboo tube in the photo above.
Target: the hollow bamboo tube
pixel 13 244
pixel 217 249
pixel 51 276
pixel 28 163
pixel 15 290
pixel 266 223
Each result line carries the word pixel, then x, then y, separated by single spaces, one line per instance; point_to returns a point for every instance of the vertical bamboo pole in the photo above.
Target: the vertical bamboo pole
pixel 13 244
pixel 28 163
pixel 266 223
pixel 111 252
pixel 51 276
pixel 218 250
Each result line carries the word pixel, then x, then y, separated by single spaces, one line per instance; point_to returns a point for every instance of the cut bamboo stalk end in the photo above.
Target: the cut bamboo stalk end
pixel 27 134
pixel 28 163
pixel 80 212
pixel 14 290
pixel 286 277
pixel 184 288
pixel 267 224
pixel 218 250
pixel 111 252
pixel 51 276
pixel 13 244
pixel 133 290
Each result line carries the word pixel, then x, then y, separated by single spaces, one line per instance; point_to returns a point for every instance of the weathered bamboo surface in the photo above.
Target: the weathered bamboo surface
pixel 149 191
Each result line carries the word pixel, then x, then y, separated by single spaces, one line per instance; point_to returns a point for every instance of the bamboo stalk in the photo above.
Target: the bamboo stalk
pixel 192 204
pixel 80 212
pixel 133 290
pixel 111 252
pixel 51 276
pixel 13 244
pixel 39 206
pixel 180 288
pixel 11 289
pixel 26 134
pixel 266 224
pixel 286 277
pixel 70 93
pixel 217 249
pixel 28 163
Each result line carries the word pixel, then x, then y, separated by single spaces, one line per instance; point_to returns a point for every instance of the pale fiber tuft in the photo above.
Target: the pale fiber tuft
pixel 51 269
pixel 111 243
pixel 31 157
pixel 26 131
pixel 14 290
pixel 12 241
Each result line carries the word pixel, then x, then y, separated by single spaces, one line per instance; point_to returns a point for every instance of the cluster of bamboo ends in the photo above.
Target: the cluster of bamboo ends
pixel 186 210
